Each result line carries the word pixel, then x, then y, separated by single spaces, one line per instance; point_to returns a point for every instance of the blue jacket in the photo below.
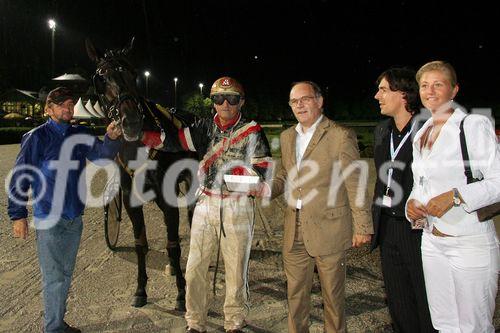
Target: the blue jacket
pixel 35 168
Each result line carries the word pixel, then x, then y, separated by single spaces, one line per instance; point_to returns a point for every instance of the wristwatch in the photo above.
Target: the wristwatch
pixel 456 198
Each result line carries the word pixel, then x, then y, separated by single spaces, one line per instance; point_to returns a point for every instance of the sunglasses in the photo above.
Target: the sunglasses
pixel 231 99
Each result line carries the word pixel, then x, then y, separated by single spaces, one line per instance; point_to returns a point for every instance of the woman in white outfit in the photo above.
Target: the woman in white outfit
pixel 460 254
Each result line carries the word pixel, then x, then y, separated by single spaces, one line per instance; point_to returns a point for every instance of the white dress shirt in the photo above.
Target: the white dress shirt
pixel 442 169
pixel 303 139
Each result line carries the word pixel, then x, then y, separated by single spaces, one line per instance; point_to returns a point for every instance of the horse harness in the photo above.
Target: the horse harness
pixel 110 64
pixel 152 154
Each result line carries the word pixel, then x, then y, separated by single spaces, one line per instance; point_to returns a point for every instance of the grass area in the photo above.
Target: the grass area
pixel 359 123
pixel 9 135
pixel 364 132
pixel 14 129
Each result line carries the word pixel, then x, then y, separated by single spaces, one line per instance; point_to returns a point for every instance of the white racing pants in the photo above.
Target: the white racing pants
pixel 238 216
pixel 461 275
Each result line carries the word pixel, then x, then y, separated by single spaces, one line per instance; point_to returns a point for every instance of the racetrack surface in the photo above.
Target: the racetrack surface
pixel 104 281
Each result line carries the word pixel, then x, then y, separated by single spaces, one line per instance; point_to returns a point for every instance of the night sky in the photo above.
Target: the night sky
pixel 265 44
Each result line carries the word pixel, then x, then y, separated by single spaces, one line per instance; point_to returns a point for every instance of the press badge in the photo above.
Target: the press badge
pixel 386 201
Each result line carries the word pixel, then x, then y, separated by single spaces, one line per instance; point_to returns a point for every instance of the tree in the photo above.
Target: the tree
pixel 197 105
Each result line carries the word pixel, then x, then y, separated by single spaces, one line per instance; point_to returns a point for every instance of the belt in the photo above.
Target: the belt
pixel 388 212
pixel 225 194
pixel 438 233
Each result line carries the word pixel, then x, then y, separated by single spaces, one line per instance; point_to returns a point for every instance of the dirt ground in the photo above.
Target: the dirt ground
pixel 104 281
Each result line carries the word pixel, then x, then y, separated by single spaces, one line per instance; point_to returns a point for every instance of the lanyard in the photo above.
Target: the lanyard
pixel 394 154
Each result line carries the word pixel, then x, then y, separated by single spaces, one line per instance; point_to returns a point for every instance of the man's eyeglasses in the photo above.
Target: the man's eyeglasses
pixel 231 99
pixel 304 99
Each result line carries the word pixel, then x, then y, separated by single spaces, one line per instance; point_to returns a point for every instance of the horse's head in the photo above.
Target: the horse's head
pixel 115 84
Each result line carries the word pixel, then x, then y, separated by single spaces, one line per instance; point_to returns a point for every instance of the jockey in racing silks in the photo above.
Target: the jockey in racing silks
pixel 226 144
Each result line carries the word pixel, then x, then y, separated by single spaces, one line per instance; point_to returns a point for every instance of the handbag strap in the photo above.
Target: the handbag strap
pixel 465 154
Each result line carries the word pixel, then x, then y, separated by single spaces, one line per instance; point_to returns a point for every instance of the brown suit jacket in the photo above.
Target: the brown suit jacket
pixel 327 226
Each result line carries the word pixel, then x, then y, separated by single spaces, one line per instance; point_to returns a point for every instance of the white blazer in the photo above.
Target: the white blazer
pixel 442 169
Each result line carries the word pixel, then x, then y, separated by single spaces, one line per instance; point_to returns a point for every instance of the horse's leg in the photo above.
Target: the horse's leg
pixel 171 219
pixel 190 211
pixel 141 249
pixel 187 178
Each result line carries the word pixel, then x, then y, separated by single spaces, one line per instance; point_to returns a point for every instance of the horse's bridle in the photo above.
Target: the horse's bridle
pixel 112 108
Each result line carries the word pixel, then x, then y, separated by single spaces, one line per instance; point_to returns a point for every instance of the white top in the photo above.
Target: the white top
pixel 442 169
pixel 303 139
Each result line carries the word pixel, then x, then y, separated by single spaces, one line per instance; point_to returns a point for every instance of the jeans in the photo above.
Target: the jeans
pixel 57 248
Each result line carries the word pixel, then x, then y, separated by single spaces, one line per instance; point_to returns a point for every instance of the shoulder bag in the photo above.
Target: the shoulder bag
pixel 490 211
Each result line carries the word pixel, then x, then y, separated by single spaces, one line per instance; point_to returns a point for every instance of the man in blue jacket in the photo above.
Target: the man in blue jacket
pixel 51 161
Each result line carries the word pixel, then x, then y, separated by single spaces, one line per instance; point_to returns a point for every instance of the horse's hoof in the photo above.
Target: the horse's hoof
pixel 140 301
pixel 180 300
pixel 180 306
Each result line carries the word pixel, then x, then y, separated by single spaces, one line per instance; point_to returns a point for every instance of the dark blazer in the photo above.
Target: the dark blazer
pixel 381 154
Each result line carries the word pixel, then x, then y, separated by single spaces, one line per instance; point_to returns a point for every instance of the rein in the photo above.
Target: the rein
pixel 151 156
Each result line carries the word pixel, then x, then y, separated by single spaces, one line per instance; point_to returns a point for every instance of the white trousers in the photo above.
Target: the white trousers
pixel 461 279
pixel 238 215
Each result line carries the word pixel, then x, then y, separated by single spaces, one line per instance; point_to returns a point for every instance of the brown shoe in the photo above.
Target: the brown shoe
pixel 234 331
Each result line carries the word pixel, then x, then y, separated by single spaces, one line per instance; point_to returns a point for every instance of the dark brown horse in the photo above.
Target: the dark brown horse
pixel 115 84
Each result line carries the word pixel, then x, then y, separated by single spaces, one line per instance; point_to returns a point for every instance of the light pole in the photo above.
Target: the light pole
pixel 175 92
pixel 147 74
pixel 201 89
pixel 52 26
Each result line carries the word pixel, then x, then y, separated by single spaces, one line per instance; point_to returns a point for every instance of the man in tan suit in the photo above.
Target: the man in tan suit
pixel 327 211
